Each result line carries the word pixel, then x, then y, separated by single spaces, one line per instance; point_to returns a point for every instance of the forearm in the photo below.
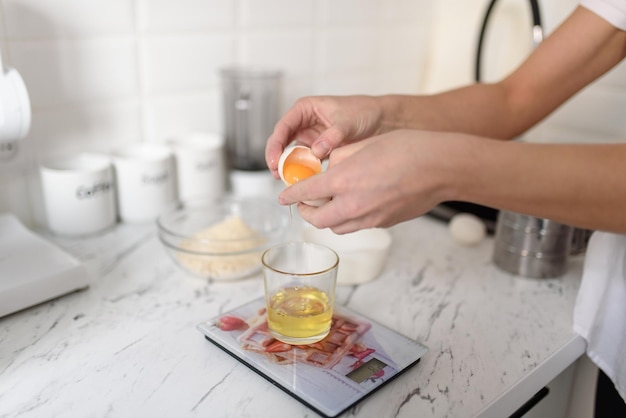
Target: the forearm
pixel 480 109
pixel 580 185
pixel 561 66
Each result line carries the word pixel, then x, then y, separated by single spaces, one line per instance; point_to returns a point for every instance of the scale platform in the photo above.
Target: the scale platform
pixel 357 357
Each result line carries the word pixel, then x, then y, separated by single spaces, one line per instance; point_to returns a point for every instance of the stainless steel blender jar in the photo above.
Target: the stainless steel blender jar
pixel 251 106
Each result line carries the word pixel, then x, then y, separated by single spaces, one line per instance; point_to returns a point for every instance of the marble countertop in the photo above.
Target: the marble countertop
pixel 128 345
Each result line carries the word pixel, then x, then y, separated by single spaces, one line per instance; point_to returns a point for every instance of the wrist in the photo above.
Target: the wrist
pixel 392 113
pixel 462 167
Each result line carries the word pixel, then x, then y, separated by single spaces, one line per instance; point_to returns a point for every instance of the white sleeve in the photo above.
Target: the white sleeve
pixel 613 11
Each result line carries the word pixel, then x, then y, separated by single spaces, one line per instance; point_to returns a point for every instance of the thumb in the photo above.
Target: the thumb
pixel 328 140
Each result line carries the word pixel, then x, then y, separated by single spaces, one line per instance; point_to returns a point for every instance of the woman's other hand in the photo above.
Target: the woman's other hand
pixel 324 123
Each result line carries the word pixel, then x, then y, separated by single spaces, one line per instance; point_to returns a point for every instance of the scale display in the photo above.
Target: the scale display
pixel 369 370
pixel 357 357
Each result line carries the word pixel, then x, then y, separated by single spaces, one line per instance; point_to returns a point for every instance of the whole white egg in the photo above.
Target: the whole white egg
pixel 467 229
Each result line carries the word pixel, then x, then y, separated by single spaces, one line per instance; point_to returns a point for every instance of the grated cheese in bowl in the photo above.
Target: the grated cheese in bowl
pixel 223 240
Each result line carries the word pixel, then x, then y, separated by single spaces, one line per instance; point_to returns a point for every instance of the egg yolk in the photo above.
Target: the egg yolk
pixel 296 172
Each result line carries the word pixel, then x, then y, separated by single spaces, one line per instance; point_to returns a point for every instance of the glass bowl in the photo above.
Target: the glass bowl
pixel 223 239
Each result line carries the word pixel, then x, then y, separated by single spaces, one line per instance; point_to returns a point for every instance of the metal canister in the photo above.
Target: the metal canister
pixel 580 239
pixel 530 246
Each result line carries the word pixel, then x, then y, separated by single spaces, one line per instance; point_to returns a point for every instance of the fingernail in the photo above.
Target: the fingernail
pixel 282 201
pixel 320 149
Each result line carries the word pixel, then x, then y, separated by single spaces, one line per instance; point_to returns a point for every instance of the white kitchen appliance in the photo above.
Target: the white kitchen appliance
pixel 15 112
pixel 33 270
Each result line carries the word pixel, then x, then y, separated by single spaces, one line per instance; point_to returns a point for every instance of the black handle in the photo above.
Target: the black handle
pixel 530 404
pixel 534 5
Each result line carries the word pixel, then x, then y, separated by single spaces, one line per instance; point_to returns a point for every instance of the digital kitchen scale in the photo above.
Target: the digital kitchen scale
pixel 355 359
pixel 33 270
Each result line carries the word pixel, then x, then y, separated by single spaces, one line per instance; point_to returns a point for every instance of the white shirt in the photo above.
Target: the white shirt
pixel 601 305
pixel 613 11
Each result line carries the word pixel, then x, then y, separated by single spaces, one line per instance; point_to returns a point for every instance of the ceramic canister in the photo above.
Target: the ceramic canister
pixel 79 194
pixel 146 181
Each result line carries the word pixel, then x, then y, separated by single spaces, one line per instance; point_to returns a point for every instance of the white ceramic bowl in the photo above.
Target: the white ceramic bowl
pixel 362 254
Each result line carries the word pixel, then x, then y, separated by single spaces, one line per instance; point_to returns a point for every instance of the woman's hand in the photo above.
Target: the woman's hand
pixel 324 123
pixel 377 182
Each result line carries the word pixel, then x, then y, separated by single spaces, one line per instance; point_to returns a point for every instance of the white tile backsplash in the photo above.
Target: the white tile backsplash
pixel 406 12
pixel 614 79
pixel 172 116
pixel 58 19
pixel 15 196
pixel 86 70
pixel 291 50
pixel 276 14
pixel 356 83
pixel 348 50
pixel 400 62
pixel 103 73
pixel 182 63
pixel 167 16
pixel 350 12
pixel 64 130
pixel 597 111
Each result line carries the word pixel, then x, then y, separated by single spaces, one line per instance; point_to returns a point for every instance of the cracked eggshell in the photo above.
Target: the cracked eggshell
pixel 298 156
pixel 297 163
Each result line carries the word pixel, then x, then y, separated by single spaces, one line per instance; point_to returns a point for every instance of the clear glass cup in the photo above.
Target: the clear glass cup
pixel 300 280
